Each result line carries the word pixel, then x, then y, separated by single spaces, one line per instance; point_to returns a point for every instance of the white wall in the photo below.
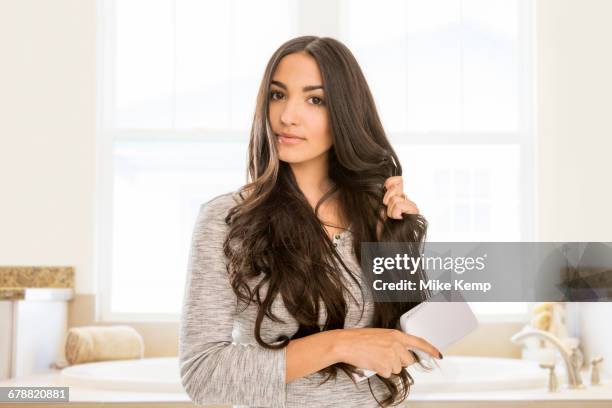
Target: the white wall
pixel 575 138
pixel 47 134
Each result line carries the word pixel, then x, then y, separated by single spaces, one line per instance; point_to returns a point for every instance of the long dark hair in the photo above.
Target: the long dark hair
pixel 274 233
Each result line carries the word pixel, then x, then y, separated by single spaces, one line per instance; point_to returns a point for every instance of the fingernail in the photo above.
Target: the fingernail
pixel 441 356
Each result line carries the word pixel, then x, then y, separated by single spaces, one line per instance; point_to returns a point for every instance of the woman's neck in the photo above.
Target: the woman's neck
pixel 312 178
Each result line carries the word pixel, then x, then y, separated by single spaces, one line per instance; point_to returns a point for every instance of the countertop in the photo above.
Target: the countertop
pixel 35 282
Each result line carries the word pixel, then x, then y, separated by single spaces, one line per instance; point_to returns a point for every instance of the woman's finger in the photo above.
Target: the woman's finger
pixel 414 341
pixel 406 207
pixel 395 189
pixel 399 206
pixel 397 367
pixel 391 207
pixel 413 356
pixel 406 356
pixel 392 180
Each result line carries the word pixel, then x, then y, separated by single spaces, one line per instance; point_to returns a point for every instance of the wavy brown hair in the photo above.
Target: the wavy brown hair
pixel 274 233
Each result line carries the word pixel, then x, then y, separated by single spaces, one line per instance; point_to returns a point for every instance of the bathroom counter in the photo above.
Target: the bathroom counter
pixel 18 282
pixel 36 294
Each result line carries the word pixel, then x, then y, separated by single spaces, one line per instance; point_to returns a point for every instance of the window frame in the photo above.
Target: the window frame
pixel 106 135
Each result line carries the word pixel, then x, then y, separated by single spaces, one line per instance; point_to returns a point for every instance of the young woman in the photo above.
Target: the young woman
pixel 275 312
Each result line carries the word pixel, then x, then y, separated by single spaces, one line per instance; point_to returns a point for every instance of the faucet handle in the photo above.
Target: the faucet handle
pixel 577 360
pixel 595 380
pixel 577 356
pixel 553 384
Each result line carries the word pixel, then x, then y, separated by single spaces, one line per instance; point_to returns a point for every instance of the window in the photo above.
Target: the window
pixel 178 82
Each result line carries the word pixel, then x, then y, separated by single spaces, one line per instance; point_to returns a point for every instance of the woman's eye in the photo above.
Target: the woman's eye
pixel 274 93
pixel 315 99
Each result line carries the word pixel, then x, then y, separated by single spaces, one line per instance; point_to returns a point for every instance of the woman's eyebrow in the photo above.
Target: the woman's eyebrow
pixel 305 89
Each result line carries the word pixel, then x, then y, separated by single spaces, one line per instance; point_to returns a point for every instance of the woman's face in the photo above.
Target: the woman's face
pixel 298 108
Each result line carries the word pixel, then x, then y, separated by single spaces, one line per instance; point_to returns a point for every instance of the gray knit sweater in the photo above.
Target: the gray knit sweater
pixel 220 361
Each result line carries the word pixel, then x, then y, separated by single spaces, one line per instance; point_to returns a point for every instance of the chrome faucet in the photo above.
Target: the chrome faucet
pixel 574 379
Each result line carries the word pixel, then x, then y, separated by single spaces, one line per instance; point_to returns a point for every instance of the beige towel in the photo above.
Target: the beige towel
pixel 98 343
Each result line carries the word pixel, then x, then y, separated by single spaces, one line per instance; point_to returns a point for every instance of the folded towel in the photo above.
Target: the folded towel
pixel 97 343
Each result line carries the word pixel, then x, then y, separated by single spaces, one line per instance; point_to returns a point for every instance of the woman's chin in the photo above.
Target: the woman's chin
pixel 294 157
pixel 291 160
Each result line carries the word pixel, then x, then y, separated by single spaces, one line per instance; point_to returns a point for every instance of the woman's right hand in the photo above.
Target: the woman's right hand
pixel 384 351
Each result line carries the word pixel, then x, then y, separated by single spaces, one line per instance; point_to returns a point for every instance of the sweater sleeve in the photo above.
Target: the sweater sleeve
pixel 213 369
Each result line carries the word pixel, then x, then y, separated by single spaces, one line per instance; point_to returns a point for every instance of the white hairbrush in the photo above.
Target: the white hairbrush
pixel 440 322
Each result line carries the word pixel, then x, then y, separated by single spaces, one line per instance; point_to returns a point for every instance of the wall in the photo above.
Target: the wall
pixel 47 135
pixel 574 88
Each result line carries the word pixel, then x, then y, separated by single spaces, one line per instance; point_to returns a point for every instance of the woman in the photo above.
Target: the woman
pixel 274 312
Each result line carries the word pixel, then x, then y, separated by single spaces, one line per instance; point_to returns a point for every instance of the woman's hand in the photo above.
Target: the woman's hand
pixel 396 200
pixel 384 351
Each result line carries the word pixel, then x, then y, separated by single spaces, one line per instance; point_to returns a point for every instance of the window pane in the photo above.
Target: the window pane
pixel 264 26
pixel 440 65
pixel 466 192
pixel 490 65
pixel 203 97
pixel 143 73
pixel 188 64
pixel 159 187
pixel 377 46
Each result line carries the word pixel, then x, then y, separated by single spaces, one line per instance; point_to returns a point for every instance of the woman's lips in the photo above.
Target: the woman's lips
pixel 289 140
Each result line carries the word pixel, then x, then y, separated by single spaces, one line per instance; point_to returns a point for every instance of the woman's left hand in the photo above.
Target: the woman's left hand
pixel 396 200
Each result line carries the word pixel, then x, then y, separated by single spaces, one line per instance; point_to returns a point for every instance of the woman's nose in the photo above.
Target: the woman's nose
pixel 289 113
